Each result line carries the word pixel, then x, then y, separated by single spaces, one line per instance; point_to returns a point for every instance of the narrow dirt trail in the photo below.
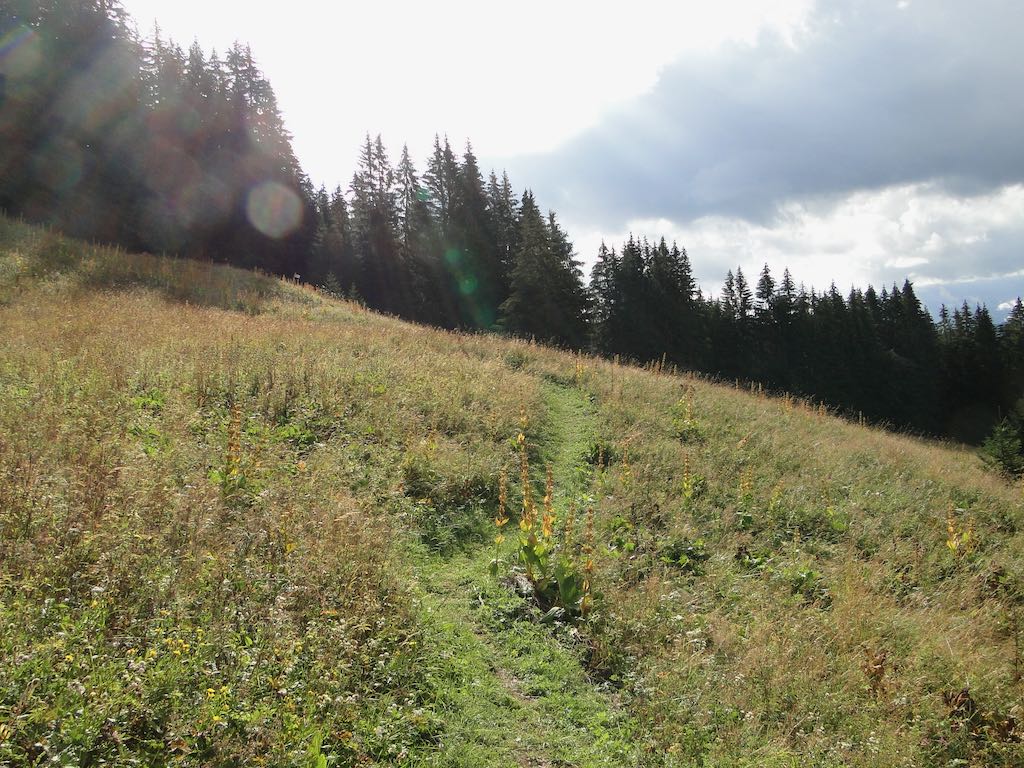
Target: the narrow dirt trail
pixel 514 691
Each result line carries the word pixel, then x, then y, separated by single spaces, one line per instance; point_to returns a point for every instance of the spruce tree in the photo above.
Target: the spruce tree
pixel 765 294
pixel 441 180
pixel 1011 351
pixel 474 248
pixel 567 285
pixel 607 303
pixel 504 208
pixel 744 298
pixel 381 281
pixel 420 249
pixel 542 303
pixel 729 299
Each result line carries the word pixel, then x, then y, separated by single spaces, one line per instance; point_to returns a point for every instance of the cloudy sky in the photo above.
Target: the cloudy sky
pixel 851 141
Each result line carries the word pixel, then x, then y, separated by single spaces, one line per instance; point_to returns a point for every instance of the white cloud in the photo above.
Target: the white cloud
pixel 907 262
pixel 917 231
pixel 515 78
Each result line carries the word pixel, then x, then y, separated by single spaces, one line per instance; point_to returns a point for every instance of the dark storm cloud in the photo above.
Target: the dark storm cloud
pixel 872 95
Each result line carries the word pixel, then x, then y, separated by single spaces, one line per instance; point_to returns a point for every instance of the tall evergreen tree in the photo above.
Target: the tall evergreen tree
pixel 567 286
pixel 441 181
pixel 729 300
pixel 473 254
pixel 504 208
pixel 765 294
pixel 744 298
pixel 375 220
pixel 541 304
pixel 607 304
pixel 420 249
pixel 1011 350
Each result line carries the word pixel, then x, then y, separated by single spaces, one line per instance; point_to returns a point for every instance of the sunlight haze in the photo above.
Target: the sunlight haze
pixel 855 143
pixel 539 72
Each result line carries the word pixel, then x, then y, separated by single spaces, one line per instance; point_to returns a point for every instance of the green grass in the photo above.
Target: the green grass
pixel 511 691
pixel 570 432
pixel 241 523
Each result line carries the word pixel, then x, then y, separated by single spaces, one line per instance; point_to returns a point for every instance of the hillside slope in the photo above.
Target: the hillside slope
pixel 241 523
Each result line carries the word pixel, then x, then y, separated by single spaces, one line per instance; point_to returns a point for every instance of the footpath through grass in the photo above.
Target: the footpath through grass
pixel 570 432
pixel 514 690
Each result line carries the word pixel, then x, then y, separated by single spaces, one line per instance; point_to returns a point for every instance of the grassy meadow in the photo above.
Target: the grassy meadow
pixel 245 524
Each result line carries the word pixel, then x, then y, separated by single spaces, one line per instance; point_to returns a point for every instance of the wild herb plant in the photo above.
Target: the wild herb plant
pixel 558 578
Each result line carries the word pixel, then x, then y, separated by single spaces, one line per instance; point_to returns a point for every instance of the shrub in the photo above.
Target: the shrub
pixel 687 555
pixel 1004 448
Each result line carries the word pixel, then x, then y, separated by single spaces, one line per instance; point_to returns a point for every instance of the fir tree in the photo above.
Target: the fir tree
pixel 542 303
pixel 765 293
pixel 744 298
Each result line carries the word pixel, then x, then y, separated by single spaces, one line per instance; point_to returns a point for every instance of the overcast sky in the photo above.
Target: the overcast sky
pixel 852 141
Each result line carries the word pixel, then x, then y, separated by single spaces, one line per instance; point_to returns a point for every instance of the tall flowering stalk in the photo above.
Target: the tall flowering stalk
pixel 549 558
pixel 528 518
pixel 567 531
pixel 587 603
pixel 229 476
pixel 500 520
pixel 529 515
pixel 548 520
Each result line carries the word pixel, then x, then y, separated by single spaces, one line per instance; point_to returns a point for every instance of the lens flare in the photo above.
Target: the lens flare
pixel 58 165
pixel 100 96
pixel 274 209
pixel 468 285
pixel 20 51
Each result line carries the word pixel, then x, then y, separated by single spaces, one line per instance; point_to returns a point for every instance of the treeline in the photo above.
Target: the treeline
pixel 140 143
pixel 879 354
pixel 449 249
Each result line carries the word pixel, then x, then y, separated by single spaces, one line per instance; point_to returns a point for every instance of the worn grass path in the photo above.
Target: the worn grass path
pixel 512 692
